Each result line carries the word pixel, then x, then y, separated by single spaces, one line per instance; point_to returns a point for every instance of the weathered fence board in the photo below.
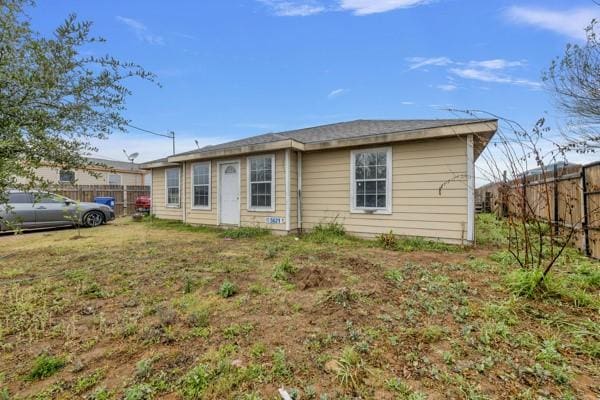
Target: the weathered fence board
pixel 124 195
pixel 571 199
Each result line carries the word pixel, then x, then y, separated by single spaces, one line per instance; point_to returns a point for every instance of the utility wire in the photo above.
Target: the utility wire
pixel 147 131
pixel 171 134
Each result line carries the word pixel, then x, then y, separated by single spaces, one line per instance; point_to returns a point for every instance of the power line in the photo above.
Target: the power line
pixel 171 134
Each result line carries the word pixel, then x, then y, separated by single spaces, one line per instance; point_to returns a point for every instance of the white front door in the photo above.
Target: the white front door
pixel 229 198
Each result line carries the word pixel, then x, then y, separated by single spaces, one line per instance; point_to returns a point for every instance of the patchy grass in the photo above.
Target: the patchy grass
pixel 244 232
pixel 145 310
pixel 490 230
pixel 45 366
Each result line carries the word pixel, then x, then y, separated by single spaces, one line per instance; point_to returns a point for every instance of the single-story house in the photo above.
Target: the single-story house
pixel 109 173
pixel 411 177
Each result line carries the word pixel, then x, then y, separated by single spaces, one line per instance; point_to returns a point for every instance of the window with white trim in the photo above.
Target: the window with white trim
pixel 261 182
pixel 371 180
pixel 114 179
pixel 172 186
pixel 66 176
pixel 201 185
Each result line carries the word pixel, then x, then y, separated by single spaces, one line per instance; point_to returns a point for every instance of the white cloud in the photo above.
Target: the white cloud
pixel 284 8
pixel 492 70
pixel 491 76
pixel 448 87
pixel 365 7
pixel 336 93
pixel 497 63
pixel 407 103
pixel 141 31
pixel 302 8
pixel 420 62
pixel 570 22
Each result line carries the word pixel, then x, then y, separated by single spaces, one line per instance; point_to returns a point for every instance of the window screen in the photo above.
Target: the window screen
pixel 261 182
pixel 172 178
pixel 201 185
pixel 371 179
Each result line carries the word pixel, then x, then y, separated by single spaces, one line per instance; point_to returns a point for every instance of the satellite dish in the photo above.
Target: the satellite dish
pixel 131 156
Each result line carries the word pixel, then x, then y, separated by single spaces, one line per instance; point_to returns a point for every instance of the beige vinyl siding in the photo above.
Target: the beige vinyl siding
pixel 159 207
pixel 418 209
pixel 201 216
pixel 258 218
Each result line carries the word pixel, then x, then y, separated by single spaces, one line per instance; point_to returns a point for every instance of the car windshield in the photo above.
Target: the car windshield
pixel 51 198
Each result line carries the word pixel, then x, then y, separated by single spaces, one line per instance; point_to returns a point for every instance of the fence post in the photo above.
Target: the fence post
pixel 584 193
pixel 125 200
pixel 555 216
pixel 503 196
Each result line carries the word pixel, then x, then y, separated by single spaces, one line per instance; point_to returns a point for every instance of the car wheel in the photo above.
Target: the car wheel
pixel 93 218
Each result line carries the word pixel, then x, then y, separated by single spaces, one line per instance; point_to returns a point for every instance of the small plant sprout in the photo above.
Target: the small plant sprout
pixel 227 289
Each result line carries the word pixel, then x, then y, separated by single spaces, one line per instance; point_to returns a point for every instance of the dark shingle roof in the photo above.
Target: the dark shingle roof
pixel 115 164
pixel 340 130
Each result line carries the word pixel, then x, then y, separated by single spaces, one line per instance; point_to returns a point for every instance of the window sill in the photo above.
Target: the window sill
pixel 379 211
pixel 261 209
pixel 201 208
pixel 172 206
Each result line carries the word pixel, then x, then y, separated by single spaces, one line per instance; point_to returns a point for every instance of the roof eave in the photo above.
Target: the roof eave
pixel 240 150
pixel 158 164
pixel 484 130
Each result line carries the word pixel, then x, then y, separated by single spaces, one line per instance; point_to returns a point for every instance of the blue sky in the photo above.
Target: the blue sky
pixel 234 68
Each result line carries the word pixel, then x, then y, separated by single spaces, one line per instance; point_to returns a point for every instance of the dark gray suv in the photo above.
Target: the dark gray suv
pixel 35 210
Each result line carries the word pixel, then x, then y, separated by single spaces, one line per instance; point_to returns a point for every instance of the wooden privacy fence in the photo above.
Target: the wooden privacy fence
pixel 567 200
pixel 124 195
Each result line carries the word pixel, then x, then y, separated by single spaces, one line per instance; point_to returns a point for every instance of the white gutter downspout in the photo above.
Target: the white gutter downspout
pixel 470 190
pixel 152 191
pixel 287 190
pixel 184 197
pixel 299 191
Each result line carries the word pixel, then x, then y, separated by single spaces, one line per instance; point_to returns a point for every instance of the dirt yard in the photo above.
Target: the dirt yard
pixel 156 310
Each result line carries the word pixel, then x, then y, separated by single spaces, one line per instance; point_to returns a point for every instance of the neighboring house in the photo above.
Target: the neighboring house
pixel 412 177
pixel 112 173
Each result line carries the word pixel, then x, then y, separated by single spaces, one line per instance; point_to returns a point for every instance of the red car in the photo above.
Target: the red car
pixel 143 204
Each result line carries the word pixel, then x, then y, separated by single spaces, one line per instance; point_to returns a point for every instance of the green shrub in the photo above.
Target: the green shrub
pixel 45 366
pixel 227 289
pixel 283 270
pixel 244 232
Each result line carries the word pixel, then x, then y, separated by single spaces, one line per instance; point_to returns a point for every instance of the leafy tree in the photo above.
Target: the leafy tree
pixel 574 78
pixel 54 97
